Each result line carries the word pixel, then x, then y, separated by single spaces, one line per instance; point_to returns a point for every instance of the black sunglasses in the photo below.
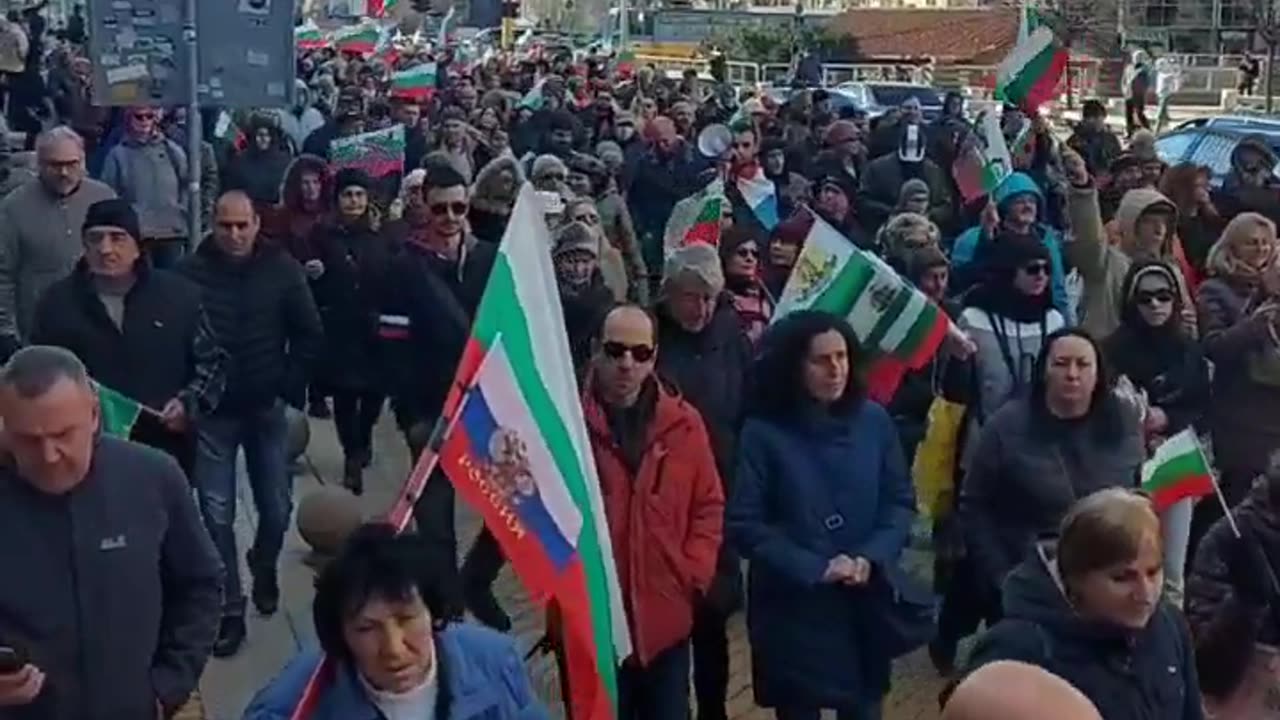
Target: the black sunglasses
pixel 639 353
pixel 1038 268
pixel 1152 297
pixel 748 252
pixel 458 209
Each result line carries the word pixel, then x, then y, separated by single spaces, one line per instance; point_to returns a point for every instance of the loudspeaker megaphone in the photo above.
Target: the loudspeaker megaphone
pixel 714 140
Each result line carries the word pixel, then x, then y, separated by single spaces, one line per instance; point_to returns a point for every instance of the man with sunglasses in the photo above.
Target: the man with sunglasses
pixel 434 286
pixel 40 225
pixel 150 171
pixel 664 505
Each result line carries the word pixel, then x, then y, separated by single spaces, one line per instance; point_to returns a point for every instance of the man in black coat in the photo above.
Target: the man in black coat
pixel 262 312
pixel 140 331
pixel 111 584
pixel 434 287
pixel 703 350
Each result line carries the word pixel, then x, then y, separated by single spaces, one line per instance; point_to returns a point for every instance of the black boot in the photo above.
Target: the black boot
pixel 266 587
pixel 231 632
pixel 353 475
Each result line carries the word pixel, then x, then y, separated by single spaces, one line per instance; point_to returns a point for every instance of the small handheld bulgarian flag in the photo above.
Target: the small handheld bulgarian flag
pixel 1030 74
pixel 696 219
pixel 308 36
pixel 361 39
pixel 117 412
pixel 1178 470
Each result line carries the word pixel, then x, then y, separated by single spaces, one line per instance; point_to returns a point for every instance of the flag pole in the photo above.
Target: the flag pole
pixel 398 517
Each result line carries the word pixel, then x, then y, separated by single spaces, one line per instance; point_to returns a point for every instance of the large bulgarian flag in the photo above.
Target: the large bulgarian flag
pixel 898 328
pixel 516 449
pixel 1030 74
pixel 361 39
pixel 1177 470
pixel 415 83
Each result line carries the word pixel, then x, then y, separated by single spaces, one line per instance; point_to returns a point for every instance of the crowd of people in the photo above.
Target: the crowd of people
pixel 1106 301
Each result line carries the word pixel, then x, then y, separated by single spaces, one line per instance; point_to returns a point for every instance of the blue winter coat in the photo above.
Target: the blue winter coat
pixel 966 253
pixel 810 644
pixel 481 677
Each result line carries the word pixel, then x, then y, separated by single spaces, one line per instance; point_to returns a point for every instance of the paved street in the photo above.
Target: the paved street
pixel 228 685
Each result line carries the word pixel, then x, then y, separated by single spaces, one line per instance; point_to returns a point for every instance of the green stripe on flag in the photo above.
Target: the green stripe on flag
pixel 117 413
pixel 839 297
pixel 501 312
pixel 1187 466
pixel 919 332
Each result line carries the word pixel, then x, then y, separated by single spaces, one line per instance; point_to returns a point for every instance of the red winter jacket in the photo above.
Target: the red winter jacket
pixel 666 523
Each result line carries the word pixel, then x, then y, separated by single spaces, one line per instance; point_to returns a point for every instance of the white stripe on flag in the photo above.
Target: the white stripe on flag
pixel 511 411
pixel 901 327
pixel 879 293
pixel 1023 53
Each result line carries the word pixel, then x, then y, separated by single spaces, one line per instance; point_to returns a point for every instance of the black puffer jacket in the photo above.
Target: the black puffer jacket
pixel 263 315
pixel 165 349
pixel 347 295
pixel 1149 674
pixel 435 299
pixel 710 370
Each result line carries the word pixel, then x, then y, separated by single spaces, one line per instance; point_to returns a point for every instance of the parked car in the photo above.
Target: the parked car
pixel 1210 141
pixel 878 97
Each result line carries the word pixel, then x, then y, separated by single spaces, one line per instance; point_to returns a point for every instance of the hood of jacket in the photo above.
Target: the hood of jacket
pixel 487 193
pixel 1034 592
pixel 291 192
pixel 1019 183
pixel 1252 142
pixel 1133 205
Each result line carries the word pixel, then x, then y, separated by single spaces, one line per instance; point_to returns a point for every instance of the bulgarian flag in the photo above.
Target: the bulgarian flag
pixel 1177 470
pixel 1030 74
pixel 308 36
pixel 117 412
pixel 515 447
pixel 625 63
pixel 361 39
pixel 898 328
pixel 534 99
pixel 696 219
pixel 416 83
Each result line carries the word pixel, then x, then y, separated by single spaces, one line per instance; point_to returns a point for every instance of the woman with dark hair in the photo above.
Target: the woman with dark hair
pixel 1199 223
pixel 391 630
pixel 1040 453
pixel 1151 349
pixel 821 506
pixel 1087 607
pixel 352 255
pixel 740 250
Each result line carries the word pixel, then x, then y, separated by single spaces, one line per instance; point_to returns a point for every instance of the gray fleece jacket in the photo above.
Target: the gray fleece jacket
pixel 152 176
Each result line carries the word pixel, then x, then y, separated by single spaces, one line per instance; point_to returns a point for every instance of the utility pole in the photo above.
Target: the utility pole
pixel 194 127
pixel 624 27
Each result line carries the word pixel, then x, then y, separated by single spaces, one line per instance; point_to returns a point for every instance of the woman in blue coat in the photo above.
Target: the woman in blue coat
pixel 822 504
pixel 384 623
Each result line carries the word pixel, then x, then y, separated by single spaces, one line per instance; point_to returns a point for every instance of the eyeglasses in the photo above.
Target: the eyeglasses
pixel 747 252
pixel 1154 297
pixel 1038 268
pixel 587 219
pixel 458 209
pixel 144 116
pixel 639 353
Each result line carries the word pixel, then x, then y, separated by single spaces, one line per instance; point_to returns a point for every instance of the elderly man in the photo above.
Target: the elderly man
pixel 262 312
pixel 140 331
pixel 110 598
pixel 1016 691
pixel 40 230
pixel 150 171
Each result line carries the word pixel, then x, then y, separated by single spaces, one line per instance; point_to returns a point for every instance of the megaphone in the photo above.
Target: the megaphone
pixel 714 140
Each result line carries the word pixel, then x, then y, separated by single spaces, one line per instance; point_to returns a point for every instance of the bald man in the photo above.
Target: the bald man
pixel 1008 690
pixel 256 297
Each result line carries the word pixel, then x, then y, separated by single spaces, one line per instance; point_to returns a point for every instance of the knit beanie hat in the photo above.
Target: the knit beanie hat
pixel 1010 251
pixel 113 213
pixel 699 261
pixel 350 177
pixel 544 164
pixel 912 188
pixel 575 236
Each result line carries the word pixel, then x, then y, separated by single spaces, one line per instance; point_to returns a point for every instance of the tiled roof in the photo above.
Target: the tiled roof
pixel 978 37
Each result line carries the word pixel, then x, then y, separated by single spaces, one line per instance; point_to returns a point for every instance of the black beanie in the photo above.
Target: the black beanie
pixel 348 177
pixel 1010 251
pixel 113 213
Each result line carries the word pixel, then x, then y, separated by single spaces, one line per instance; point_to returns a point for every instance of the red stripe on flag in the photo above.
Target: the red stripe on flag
pixel 1195 486
pixel 1047 84
pixel 929 346
pixel 588 696
pixel 884 375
